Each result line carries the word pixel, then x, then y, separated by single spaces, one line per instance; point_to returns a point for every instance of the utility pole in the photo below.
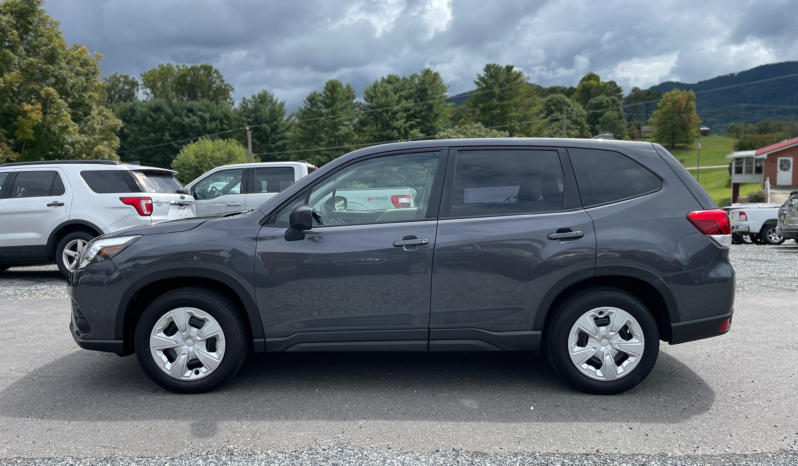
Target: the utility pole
pixel 249 144
pixel 564 120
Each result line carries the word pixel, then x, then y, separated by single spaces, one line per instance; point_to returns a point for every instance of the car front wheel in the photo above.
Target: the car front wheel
pixel 769 236
pixel 191 340
pixel 602 340
pixel 69 248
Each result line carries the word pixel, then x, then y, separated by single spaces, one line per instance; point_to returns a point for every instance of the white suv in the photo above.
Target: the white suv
pixel 50 210
pixel 244 186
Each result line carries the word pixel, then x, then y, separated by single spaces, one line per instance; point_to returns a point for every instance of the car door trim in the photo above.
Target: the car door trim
pixel 374 337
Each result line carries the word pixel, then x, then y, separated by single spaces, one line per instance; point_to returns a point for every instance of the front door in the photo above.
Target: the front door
pixel 33 205
pixel 511 227
pixel 784 173
pixel 360 275
pixel 220 192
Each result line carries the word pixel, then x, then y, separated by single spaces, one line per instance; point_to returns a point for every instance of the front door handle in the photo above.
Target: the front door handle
pixel 566 235
pixel 55 204
pixel 410 243
pixel 231 204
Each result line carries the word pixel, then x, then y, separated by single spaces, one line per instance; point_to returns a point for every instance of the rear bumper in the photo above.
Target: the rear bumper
pixel 108 346
pixel 698 329
pixel 740 229
pixel 788 233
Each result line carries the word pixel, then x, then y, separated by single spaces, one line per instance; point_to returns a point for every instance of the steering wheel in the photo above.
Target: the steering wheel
pixel 213 191
pixel 328 213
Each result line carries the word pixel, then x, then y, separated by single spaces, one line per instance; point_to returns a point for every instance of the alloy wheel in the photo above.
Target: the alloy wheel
pixel 773 236
pixel 187 343
pixel 606 343
pixel 72 251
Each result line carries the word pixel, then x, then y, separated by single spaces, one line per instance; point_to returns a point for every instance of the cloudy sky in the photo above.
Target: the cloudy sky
pixel 292 47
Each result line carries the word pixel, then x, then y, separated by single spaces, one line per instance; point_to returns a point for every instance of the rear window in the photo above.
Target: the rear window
pixel 110 181
pixel 605 177
pixel 273 179
pixel 157 182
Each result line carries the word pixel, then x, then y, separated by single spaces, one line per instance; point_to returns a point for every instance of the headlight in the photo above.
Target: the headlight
pixel 104 249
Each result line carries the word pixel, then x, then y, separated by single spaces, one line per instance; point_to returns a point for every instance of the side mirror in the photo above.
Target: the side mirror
pixel 341 204
pixel 181 191
pixel 300 221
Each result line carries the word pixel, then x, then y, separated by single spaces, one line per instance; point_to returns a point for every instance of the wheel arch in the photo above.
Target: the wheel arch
pixel 142 292
pixel 641 284
pixel 66 228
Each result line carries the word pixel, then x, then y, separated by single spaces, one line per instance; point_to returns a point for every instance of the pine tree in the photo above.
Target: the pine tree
pixel 505 100
pixel 266 115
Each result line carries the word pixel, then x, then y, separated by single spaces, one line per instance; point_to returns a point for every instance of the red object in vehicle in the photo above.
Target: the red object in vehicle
pixel 143 205
pixel 711 222
pixel 743 217
pixel 725 325
pixel 401 202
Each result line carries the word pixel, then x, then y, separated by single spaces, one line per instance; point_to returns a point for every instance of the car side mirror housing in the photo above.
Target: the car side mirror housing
pixel 181 191
pixel 341 204
pixel 300 220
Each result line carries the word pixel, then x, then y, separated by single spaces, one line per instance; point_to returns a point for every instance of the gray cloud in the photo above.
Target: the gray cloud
pixel 292 48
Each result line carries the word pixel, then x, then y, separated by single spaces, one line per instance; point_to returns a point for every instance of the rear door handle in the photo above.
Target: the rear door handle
pixel 233 203
pixel 410 243
pixel 55 204
pixel 565 235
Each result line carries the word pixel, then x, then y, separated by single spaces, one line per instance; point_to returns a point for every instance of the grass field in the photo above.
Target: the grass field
pixel 717 183
pixel 714 150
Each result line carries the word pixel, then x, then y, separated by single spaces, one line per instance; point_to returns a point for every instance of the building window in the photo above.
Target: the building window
pixel 738 166
pixel 749 165
pixel 759 166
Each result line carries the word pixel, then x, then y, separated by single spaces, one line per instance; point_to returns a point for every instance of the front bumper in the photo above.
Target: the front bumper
pixel 109 346
pixel 698 329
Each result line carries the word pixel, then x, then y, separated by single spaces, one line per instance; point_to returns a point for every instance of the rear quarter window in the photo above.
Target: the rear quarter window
pixel 110 181
pixel 157 182
pixel 605 177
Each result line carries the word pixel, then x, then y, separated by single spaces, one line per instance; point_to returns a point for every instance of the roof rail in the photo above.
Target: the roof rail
pixel 59 162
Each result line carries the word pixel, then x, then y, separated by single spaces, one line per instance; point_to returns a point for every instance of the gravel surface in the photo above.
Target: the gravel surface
pixel 352 456
pixel 758 267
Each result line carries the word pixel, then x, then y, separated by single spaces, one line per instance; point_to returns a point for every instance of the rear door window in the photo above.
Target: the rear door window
pixel 4 176
pixel 272 179
pixel 110 181
pixel 220 183
pixel 35 184
pixel 605 177
pixel 506 182
pixel 153 181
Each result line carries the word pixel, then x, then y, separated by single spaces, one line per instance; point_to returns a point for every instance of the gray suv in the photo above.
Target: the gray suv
pixel 591 251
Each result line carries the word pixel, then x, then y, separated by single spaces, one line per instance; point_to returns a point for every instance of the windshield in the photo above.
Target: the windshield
pixel 157 182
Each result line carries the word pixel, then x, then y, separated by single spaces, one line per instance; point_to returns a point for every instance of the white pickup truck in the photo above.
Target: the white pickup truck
pixel 752 223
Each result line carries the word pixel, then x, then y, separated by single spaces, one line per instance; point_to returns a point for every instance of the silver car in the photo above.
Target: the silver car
pixel 788 218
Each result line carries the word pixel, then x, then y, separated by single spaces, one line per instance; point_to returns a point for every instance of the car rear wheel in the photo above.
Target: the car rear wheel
pixel 191 340
pixel 769 235
pixel 746 239
pixel 69 248
pixel 602 340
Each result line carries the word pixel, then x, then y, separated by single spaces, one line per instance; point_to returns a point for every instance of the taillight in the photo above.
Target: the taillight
pixel 742 217
pixel 714 224
pixel 401 202
pixel 143 205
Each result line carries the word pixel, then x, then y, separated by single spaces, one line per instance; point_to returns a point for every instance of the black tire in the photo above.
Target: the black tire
pixel 766 230
pixel 59 250
pixel 566 315
pixel 221 308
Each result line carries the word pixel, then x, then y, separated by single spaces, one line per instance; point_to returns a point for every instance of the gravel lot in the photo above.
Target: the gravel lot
pixel 346 456
pixel 758 267
pixel 60 405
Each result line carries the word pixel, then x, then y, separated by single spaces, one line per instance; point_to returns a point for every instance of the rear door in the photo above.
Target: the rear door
pixel 267 182
pixel 220 192
pixel 167 204
pixel 33 204
pixel 511 227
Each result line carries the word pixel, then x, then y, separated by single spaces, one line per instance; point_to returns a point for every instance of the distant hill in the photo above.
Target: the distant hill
pixel 760 101
pixel 719 108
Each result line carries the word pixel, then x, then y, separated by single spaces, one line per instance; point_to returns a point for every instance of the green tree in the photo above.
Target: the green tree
pixel 187 83
pixel 386 111
pixel 612 89
pixel 735 130
pixel 120 88
pixel 266 115
pixel 600 106
pixel 471 131
pixel 575 117
pixel 326 121
pixel 51 98
pixel 640 105
pixel 633 132
pixel 589 87
pixel 154 131
pixel 431 113
pixel 613 123
pixel 675 120
pixel 205 154
pixel 504 99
